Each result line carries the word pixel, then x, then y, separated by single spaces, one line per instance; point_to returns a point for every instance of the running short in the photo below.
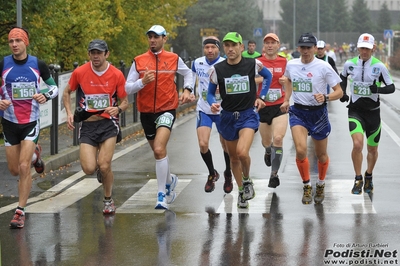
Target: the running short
pixel 366 121
pixel 268 113
pixel 96 132
pixel 205 120
pixel 150 122
pixel 14 133
pixel 232 122
pixel 314 120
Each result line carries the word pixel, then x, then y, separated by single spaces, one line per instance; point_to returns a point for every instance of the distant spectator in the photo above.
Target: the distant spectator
pixel 330 52
pixel 284 52
pixel 251 50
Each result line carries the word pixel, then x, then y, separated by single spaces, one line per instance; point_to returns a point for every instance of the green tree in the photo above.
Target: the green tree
pixel 384 19
pixel 229 15
pixel 341 17
pixel 305 19
pixel 60 30
pixel 361 18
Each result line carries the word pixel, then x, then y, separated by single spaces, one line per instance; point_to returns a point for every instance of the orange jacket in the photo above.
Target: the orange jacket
pixel 161 94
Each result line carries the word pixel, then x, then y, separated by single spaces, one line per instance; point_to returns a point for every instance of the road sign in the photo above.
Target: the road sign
pixel 388 34
pixel 208 32
pixel 257 32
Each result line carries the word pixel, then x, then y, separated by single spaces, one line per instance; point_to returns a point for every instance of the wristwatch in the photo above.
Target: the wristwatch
pixel 47 96
pixel 326 98
pixel 119 110
pixel 190 89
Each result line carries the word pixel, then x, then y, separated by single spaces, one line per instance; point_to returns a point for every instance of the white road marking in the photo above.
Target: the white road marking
pixel 259 204
pixel 68 197
pixel 144 200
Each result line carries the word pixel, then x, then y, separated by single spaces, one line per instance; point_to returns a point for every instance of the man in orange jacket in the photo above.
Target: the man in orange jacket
pixel 152 76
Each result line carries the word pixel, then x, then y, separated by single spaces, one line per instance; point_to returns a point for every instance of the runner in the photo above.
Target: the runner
pixel 273 122
pixel 205 117
pixel 308 116
pixel 366 74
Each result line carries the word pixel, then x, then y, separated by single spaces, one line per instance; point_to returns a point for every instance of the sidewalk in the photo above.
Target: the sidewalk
pixel 67 152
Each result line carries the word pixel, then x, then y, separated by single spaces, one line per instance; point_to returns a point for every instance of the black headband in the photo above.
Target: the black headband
pixel 212 41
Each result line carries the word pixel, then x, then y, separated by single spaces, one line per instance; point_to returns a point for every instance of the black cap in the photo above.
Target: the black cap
pixel 98 45
pixel 307 39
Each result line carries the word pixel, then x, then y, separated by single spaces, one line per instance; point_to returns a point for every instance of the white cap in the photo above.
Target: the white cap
pixel 157 29
pixel 366 40
pixel 283 48
pixel 320 44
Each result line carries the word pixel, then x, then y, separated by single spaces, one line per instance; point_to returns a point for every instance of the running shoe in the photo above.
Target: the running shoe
pixel 242 202
pixel 38 164
pixel 319 193
pixel 228 185
pixel 18 220
pixel 274 181
pixel 267 159
pixel 307 194
pixel 357 188
pixel 161 202
pixel 109 207
pixel 99 176
pixel 211 179
pixel 368 186
pixel 170 189
pixel 248 188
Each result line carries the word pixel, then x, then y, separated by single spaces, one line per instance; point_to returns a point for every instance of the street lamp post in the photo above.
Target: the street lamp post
pixel 19 13
pixel 294 24
pixel 318 19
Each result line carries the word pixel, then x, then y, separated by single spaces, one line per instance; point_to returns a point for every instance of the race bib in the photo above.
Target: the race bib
pixel 97 101
pixel 303 85
pixel 23 90
pixel 165 120
pixel 273 95
pixel 361 88
pixel 237 85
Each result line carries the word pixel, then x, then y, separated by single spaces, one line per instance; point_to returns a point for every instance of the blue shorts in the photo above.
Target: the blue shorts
pixel 314 120
pixel 205 120
pixel 232 122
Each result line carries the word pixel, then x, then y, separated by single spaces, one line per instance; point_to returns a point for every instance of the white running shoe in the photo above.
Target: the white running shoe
pixel 161 202
pixel 170 193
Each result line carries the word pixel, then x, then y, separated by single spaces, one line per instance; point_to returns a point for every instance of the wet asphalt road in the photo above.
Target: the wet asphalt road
pixel 65 225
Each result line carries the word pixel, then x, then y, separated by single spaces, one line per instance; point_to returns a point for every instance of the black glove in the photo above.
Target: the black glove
pixel 373 88
pixel 345 98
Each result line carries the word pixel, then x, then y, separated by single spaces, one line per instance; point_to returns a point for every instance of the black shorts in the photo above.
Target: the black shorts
pixel 14 133
pixel 270 112
pixel 96 132
pixel 368 122
pixel 150 122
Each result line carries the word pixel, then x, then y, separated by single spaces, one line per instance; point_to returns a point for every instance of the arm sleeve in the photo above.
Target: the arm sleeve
pixel 186 73
pixel 332 63
pixel 387 89
pixel 47 78
pixel 133 84
pixel 266 74
pixel 343 84
pixel 211 93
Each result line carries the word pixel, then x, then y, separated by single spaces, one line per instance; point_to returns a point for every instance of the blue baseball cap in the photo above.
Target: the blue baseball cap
pixel 157 29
